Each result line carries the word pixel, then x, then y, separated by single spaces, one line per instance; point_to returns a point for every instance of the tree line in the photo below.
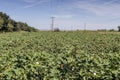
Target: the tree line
pixel 9 25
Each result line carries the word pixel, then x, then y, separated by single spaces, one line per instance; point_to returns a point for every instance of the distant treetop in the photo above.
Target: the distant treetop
pixel 9 25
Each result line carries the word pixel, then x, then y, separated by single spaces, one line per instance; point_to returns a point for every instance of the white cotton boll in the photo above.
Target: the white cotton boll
pixel 37 62
pixel 94 73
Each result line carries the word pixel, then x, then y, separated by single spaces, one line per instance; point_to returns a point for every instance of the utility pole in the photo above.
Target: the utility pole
pixel 85 24
pixel 71 28
pixel 52 25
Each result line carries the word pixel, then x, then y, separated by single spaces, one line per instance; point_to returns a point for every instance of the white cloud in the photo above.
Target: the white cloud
pixel 30 1
pixel 35 2
pixel 109 2
pixel 63 16
pixel 100 9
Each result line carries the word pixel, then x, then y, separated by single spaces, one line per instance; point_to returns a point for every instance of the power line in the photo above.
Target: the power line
pixel 52 25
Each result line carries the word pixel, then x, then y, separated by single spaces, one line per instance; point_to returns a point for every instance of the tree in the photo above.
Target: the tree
pixel 9 25
pixel 119 28
pixel 1 23
pixel 16 27
pixel 56 30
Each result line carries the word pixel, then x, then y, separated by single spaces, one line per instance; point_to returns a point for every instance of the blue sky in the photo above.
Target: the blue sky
pixel 70 14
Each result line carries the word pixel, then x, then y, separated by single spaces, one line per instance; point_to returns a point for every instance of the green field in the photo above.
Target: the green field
pixel 71 55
